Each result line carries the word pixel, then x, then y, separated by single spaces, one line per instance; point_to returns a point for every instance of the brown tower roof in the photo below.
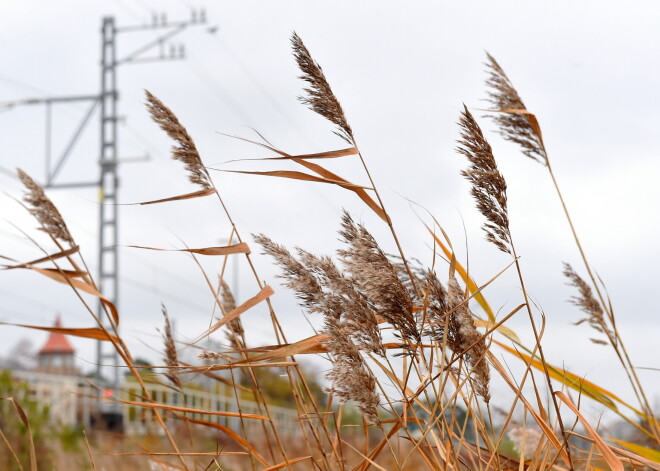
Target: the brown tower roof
pixel 57 343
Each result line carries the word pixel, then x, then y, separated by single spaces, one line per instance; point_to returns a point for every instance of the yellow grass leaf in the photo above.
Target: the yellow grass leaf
pixel 643 451
pixel 573 381
pixel 471 285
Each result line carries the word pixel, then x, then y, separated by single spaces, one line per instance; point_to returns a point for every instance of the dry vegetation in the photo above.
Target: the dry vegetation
pixel 385 320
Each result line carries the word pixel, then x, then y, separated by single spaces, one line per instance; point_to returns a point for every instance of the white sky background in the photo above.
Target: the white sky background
pixel 588 70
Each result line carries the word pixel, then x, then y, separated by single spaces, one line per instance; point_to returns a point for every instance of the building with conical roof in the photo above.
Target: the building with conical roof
pixel 57 354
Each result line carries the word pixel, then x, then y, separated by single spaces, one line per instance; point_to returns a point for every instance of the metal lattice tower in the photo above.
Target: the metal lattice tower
pixel 108 277
pixel 108 183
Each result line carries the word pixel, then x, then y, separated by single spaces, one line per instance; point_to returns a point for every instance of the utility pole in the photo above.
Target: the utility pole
pixel 108 182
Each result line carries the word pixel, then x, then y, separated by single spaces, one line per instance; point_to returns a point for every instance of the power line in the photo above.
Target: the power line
pixel 264 91
pixel 215 87
pixel 129 10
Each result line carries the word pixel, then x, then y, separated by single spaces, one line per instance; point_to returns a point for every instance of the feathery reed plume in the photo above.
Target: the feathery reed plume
pixel 350 377
pixel 458 331
pixel 323 289
pixel 236 332
pixel 43 209
pixel 437 302
pixel 341 296
pixel 377 278
pixel 296 276
pixel 516 126
pixel 588 304
pixel 488 185
pixel 184 150
pixel 319 96
pixel 170 358
pixel 468 339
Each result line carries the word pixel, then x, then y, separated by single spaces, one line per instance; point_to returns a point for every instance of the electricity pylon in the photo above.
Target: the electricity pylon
pixel 108 182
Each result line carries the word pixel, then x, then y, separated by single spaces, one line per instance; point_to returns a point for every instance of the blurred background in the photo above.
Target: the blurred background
pixel 402 71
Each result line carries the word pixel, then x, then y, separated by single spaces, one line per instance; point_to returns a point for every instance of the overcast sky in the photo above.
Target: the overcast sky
pixel 402 71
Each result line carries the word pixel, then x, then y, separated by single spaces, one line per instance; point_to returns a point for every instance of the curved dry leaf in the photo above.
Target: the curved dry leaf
pixel 293 175
pixel 187 196
pixel 70 273
pixel 332 154
pixel 224 250
pixel 360 192
pixel 265 293
pixel 308 345
pixel 47 258
pixel 61 277
pixel 84 332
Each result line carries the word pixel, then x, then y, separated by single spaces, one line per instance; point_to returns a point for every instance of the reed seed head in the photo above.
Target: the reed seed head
pixel 488 185
pixel 43 209
pixel 235 332
pixel 517 127
pixel 350 377
pixel 588 304
pixel 348 304
pixel 468 340
pixel 320 98
pixel 377 278
pixel 184 150
pixel 296 276
pixel 170 351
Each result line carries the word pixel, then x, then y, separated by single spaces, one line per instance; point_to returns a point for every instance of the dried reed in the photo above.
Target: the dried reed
pixel 488 185
pixel 516 125
pixel 320 98
pixel 588 304
pixel 43 209
pixel 342 296
pixel 377 278
pixel 350 377
pixel 185 149
pixel 170 358
pixel 235 332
